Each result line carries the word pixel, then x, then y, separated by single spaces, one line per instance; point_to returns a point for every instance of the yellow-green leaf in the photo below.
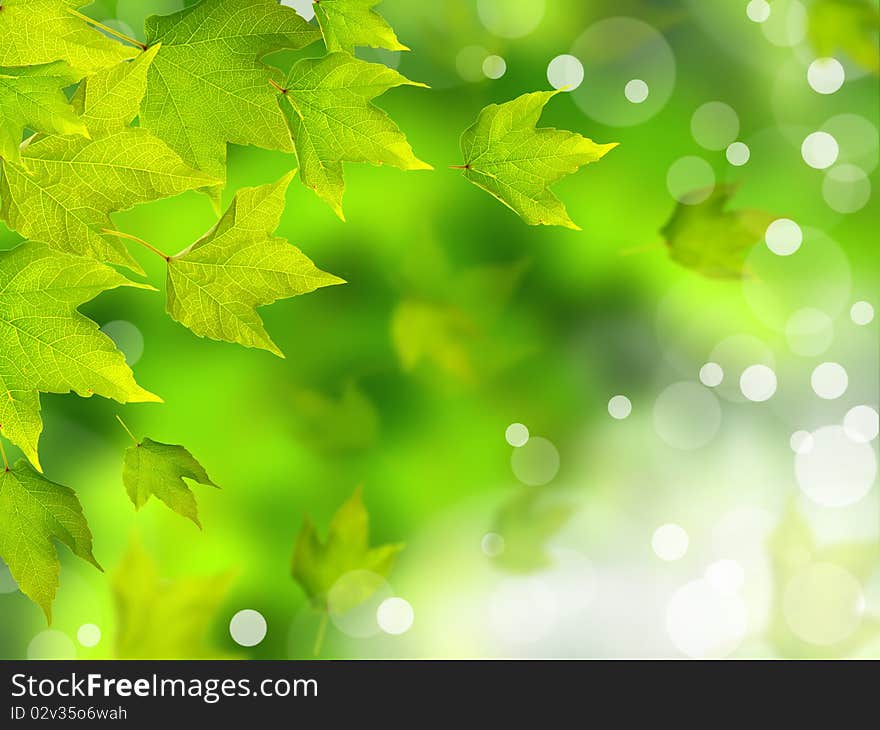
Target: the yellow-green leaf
pixel 318 565
pixel 349 23
pixel 33 512
pixel 508 157
pixel 332 121
pixel 151 468
pixel 47 345
pixel 208 85
pixel 31 97
pixel 216 284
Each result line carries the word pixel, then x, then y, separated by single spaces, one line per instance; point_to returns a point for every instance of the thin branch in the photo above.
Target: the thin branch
pixel 3 454
pixel 107 29
pixel 141 241
pixel 127 429
pixel 322 632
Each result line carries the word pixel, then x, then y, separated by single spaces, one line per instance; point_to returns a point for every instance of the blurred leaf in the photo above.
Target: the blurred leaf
pixel 847 26
pixel 152 468
pixel 208 86
pixel 508 157
pixel 215 285
pixel 32 97
pixel 48 346
pixel 349 23
pixel 33 512
pixel 709 239
pixel 793 549
pixel 43 31
pixel 158 618
pixel 328 106
pixel 318 565
pixel 526 523
pixel 335 425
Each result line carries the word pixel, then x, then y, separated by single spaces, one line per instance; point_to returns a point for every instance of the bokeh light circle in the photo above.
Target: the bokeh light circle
pixel 846 188
pixel 738 153
pixel 510 18
pixel 619 407
pixel 801 442
pixel 714 125
pixel 826 75
pixel 536 462
pixel 565 72
pixel 758 383
pixel 247 627
pixel 670 542
pixel 636 91
pixel 861 424
pixel 395 616
pixel 690 180
pixel 758 11
pixel 836 471
pixel 494 67
pixel 127 337
pixel 820 150
pixel 809 332
pixel 711 374
pixel 615 52
pixel 862 313
pixel 829 380
pixel 686 415
pixel 51 644
pixel 353 602
pixel 516 435
pixel 783 237
pixel 786 25
pixel 705 623
pixel 88 635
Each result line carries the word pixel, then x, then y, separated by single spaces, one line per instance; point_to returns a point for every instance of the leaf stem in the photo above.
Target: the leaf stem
pixel 141 241
pixel 280 88
pixel 127 429
pixel 107 29
pixel 3 454
pixel 459 167
pixel 322 632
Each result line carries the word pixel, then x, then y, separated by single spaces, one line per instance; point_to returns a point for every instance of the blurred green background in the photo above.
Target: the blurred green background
pixel 459 320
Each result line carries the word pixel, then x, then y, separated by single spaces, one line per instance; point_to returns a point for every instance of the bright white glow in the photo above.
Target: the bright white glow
pixel 861 424
pixel 726 576
pixel 801 442
pixel 758 10
pixel 565 72
pixel 704 623
pixel 784 237
pixel 829 380
pixel 820 150
pixel 88 635
pixel 516 434
pixel 395 616
pixel 619 407
pixel 836 471
pixel 862 313
pixel 636 91
pixel 711 374
pixel 670 542
pixel 758 383
pixel 247 627
pixel 494 67
pixel 826 75
pixel 738 154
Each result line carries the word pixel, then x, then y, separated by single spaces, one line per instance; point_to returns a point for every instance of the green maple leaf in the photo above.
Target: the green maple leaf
pixel 712 240
pixel 327 104
pixel 153 468
pixel 67 187
pixel 46 345
pixel 32 97
pixel 850 26
pixel 208 85
pixel 33 512
pixel 349 23
pixel 215 285
pixel 505 155
pixel 159 618
pixel 42 31
pixel 318 565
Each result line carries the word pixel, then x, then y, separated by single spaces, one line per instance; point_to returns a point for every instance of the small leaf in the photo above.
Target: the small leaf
pixel 711 240
pixel 33 512
pixel 48 346
pixel 215 285
pixel 349 23
pixel 161 618
pixel 318 565
pixel 327 104
pixel 208 85
pixel 32 97
pixel 505 155
pixel 42 31
pixel 153 468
